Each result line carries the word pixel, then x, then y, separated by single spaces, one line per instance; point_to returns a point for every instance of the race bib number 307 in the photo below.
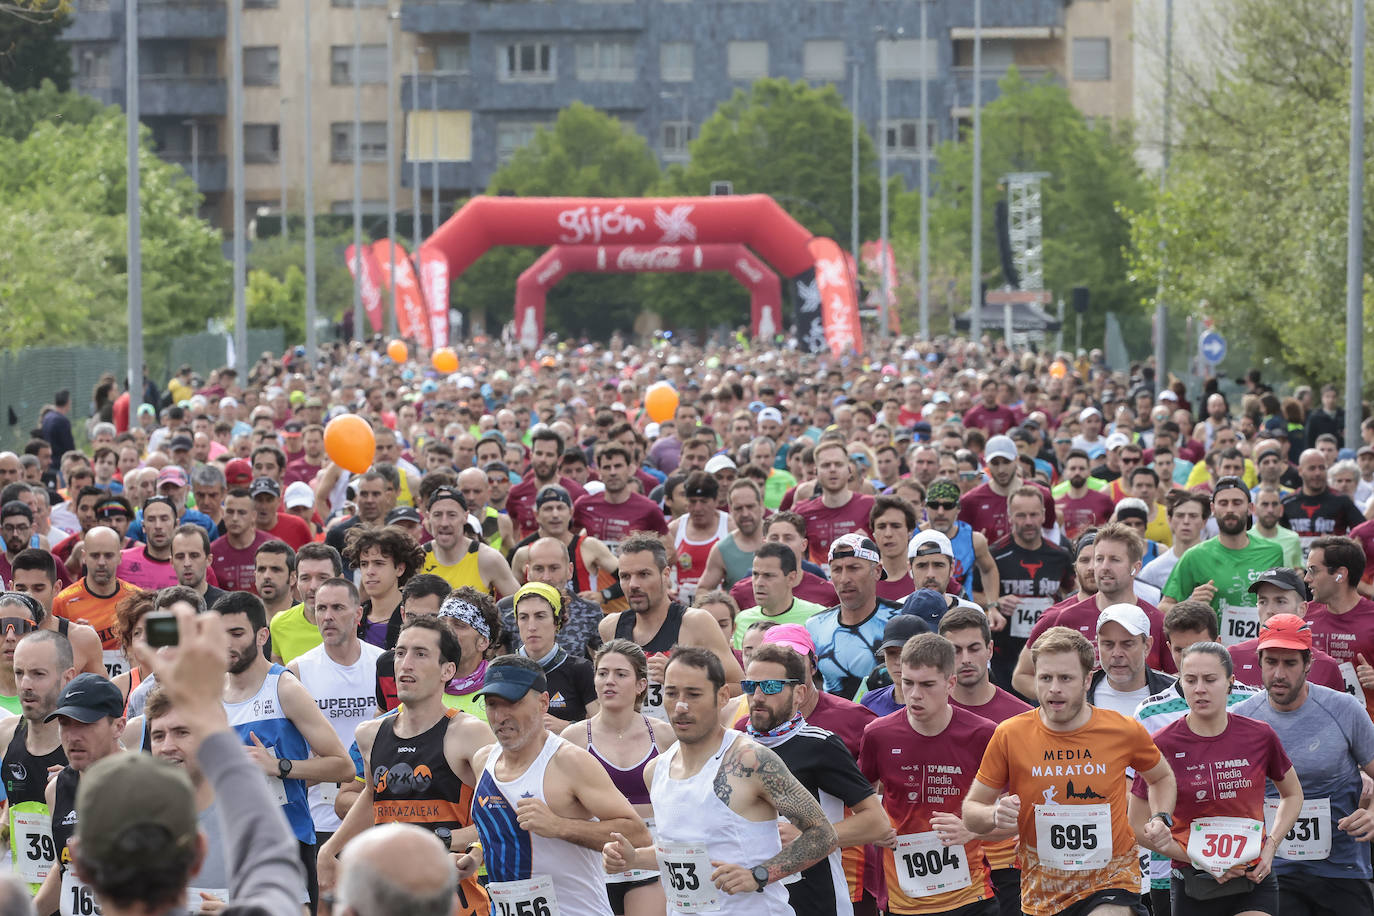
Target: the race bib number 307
pixel 1073 837
pixel 1216 844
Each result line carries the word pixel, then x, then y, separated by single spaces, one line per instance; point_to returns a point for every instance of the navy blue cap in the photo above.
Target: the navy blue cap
pixel 926 604
pixel 512 682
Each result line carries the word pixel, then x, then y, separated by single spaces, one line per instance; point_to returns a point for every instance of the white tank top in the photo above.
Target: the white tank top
pixel 689 811
pixel 347 695
pixel 579 880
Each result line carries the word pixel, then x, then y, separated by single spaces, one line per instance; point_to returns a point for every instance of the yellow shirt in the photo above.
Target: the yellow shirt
pixel 1158 528
pixel 464 572
pixel 292 634
pixel 1201 475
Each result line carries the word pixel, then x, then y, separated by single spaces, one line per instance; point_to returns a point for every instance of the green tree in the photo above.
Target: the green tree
pixel 1033 127
pixel 31 51
pixel 274 303
pixel 1252 228
pixel 277 258
pixel 21 110
pixel 587 153
pixel 64 268
pixel 789 140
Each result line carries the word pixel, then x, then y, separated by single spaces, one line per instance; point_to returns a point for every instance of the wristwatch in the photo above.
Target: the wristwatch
pixel 283 767
pixel 760 874
pixel 445 836
pixel 1167 818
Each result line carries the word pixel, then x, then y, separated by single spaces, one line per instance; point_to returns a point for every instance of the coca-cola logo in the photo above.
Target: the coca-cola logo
pixel 549 273
pixel 749 270
pixel 664 257
pixel 584 223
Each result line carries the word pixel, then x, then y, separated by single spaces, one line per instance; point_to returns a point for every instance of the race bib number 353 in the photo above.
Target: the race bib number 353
pixel 1073 837
pixel 685 872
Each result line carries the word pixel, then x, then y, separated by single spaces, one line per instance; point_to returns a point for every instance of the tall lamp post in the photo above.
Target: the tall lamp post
pixel 391 18
pixel 924 142
pixel 976 280
pixel 1354 255
pixel 311 344
pixel 885 65
pixel 240 207
pixel 357 171
pixel 131 208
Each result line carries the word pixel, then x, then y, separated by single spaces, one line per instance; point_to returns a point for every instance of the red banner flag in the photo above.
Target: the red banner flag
pixel 872 255
pixel 839 297
pixel 411 320
pixel 366 274
pixel 433 268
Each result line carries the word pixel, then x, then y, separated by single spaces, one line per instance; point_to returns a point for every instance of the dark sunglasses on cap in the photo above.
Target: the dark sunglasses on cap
pixel 771 687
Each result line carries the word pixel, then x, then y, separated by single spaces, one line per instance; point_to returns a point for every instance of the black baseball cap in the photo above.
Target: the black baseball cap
pixel 1284 577
pixel 264 485
pixel 88 698
pixel 901 628
pixel 452 493
pixel 403 514
pixel 552 493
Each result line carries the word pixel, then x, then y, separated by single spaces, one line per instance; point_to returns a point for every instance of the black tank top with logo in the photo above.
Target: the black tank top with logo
pixel 26 776
pixel 412 779
pixel 64 814
pixel 663 640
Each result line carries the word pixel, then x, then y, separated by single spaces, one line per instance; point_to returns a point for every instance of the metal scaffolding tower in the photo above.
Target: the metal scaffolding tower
pixel 1024 226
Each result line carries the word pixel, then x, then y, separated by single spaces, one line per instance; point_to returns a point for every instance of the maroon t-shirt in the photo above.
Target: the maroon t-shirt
pixel 300 471
pixel 1345 636
pixel 520 502
pixel 291 529
pixel 985 510
pixel 896 589
pixel 613 522
pixel 1079 514
pixel 824 524
pixel 1001 707
pixel 994 421
pixel 1326 671
pixel 1082 616
pixel 234 566
pixel 1363 532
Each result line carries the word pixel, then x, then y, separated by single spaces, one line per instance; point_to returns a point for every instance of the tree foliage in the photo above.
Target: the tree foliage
pixel 63 269
pixel 31 51
pixel 1252 228
pixel 282 261
pixel 1034 127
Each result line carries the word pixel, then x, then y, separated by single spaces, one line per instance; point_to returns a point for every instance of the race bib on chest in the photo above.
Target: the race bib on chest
pixel 77 898
pixel 31 836
pixel 1073 837
pixel 1238 623
pixel 329 791
pixel 115 662
pixel 926 866
pixel 1216 844
pixel 685 873
pixel 1310 838
pixel 1027 612
pixel 531 897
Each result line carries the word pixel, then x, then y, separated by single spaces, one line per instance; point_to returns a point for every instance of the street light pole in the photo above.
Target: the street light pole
pixel 926 64
pixel 391 18
pixel 976 279
pixel 281 154
pixel 1161 309
pixel 309 203
pixel 132 203
pixel 240 214
pixel 434 121
pixel 413 148
pixel 884 64
pixel 1354 254
pixel 854 161
pixel 357 171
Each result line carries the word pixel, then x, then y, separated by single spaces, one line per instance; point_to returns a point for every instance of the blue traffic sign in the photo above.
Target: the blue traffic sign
pixel 1212 346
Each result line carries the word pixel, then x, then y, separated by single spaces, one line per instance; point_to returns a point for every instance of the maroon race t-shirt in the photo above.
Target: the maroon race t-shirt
pixel 994 421
pixel 1345 636
pixel 1001 707
pixel 291 529
pixel 985 510
pixel 234 566
pixel 520 502
pixel 1326 671
pixel 824 524
pixel 613 522
pixel 301 471
pixel 1082 616
pixel 1079 514
pixel 1219 776
pixel 896 589
pixel 1364 533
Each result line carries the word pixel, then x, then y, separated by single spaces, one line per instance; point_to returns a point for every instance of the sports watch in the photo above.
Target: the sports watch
pixel 1164 816
pixel 760 874
pixel 283 767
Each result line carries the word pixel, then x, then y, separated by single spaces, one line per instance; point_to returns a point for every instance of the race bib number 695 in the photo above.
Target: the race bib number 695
pixel 1073 837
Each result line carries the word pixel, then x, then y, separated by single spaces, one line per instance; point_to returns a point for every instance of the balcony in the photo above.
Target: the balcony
pixel 453 176
pixel 961 100
pixel 459 91
pixel 210 171
pixel 527 16
pixel 178 94
pixel 181 19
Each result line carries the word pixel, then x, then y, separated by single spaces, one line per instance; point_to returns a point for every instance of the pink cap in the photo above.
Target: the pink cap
pixel 171 474
pixel 792 635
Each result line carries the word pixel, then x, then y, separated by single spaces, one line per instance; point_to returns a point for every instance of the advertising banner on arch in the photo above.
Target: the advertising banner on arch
pixel 366 274
pixel 872 254
pixel 411 320
pixel 839 298
pixel 433 269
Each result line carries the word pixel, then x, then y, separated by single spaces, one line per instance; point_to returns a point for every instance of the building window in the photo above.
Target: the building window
pixel 908 58
pixel 93 68
pixel 1092 58
pixel 261 143
pixel 675 61
pixel 443 136
pixel 349 3
pixel 372 64
pixel 904 137
pixel 606 61
pixel 373 145
pixel 747 60
pixel 260 66
pixel 823 60
pixel 526 60
pixel 179 60
pixel 676 136
pixel 259 4
pixel 512 135
pixel 453 55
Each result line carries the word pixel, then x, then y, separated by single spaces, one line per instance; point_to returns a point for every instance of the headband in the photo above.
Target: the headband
pixel 547 592
pixel 458 609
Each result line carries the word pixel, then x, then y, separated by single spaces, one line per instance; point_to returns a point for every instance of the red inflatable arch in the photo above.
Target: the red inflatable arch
pixel 755 220
pixel 531 290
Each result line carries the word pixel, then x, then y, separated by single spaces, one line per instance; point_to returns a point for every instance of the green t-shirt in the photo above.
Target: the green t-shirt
pixel 471 703
pixel 776 487
pixel 12 704
pixel 1231 571
pixel 1288 542
pixel 800 612
pixel 1093 483
pixel 292 634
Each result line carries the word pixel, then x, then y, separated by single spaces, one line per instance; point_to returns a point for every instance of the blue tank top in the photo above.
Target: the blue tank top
pixel 262 715
pixel 964 559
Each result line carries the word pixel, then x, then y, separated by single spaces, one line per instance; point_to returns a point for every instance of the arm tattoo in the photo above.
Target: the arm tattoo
pixel 799 806
pixel 734 764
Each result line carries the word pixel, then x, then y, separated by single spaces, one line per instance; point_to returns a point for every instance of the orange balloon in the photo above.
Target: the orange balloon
pixel 398 351
pixel 1058 369
pixel 660 402
pixel 445 360
pixel 349 442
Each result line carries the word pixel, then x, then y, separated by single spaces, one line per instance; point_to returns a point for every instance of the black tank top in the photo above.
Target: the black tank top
pixel 64 814
pixel 26 776
pixel 663 640
pixel 413 781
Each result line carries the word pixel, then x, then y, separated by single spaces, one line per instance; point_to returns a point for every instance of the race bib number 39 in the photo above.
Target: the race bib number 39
pixel 1238 623
pixel 34 852
pixel 1310 838
pixel 926 867
pixel 1073 837
pixel 685 873
pixel 531 897
pixel 1216 844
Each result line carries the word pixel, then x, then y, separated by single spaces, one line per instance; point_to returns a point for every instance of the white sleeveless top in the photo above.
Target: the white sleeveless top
pixel 514 854
pixel 689 811
pixel 347 695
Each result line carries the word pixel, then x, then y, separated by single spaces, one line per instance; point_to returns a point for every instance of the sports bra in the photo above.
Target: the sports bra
pixel 630 783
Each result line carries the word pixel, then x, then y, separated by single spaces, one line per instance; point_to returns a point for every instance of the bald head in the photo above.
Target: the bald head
pixel 547 562
pixel 102 546
pixel 418 878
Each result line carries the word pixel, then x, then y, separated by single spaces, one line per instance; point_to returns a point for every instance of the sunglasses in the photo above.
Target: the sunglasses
pixel 771 687
pixel 968 475
pixel 22 625
pixel 943 506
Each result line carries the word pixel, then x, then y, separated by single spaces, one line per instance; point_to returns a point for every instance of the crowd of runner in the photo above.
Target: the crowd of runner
pixel 946 629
